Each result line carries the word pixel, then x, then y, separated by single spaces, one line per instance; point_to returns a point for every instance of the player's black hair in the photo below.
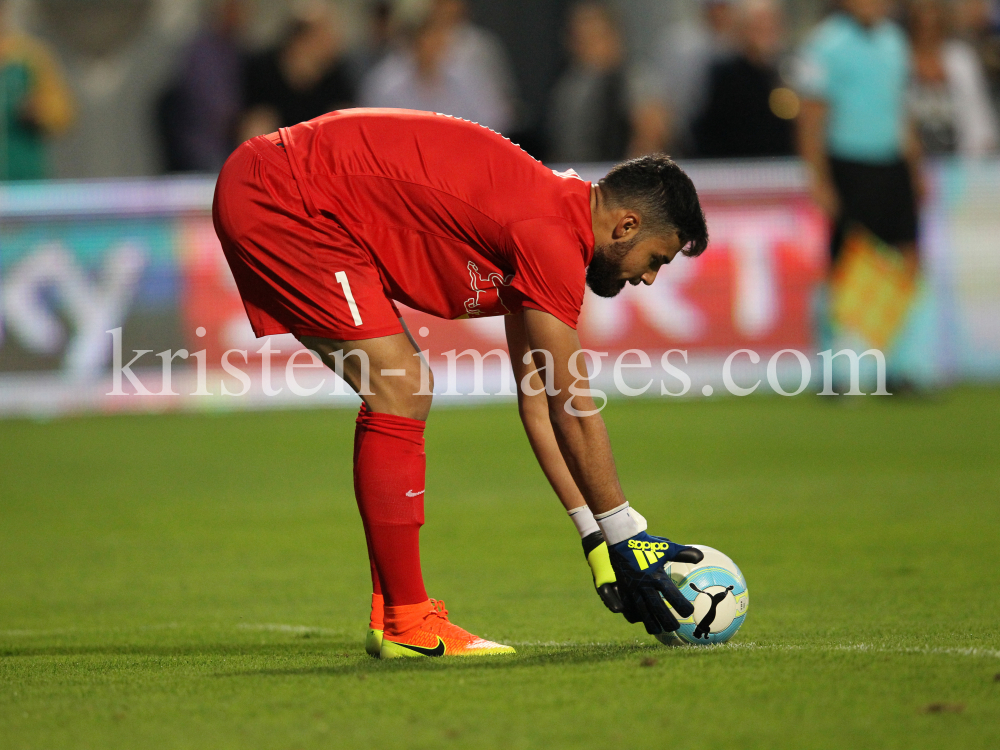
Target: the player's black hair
pixel 663 195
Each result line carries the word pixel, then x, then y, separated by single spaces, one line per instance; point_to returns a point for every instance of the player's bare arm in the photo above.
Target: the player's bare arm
pixel 579 431
pixel 584 443
pixel 533 408
pixel 811 138
pixel 633 238
pixel 570 423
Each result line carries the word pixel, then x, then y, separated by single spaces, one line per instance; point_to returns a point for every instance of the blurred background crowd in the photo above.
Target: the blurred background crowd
pixel 118 88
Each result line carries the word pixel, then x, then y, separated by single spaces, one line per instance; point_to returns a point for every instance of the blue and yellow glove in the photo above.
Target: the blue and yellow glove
pixel 596 552
pixel 638 565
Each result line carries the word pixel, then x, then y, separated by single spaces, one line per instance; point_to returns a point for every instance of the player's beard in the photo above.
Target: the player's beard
pixel 605 270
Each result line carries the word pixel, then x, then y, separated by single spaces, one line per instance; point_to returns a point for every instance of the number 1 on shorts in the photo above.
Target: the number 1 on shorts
pixel 342 278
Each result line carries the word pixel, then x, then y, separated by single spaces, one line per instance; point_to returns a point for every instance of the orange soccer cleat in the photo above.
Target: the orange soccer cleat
pixel 424 630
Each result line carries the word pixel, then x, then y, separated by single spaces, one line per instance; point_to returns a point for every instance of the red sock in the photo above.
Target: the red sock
pixel 377 618
pixel 376 585
pixel 389 466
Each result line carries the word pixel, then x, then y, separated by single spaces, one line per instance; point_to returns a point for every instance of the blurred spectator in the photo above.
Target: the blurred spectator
pixel 862 155
pixel 684 58
pixel 748 112
pixel 378 43
pixel 303 78
pixel 198 115
pixel 35 103
pixel 949 100
pixel 476 48
pixel 978 23
pixel 118 57
pixel 446 65
pixel 588 118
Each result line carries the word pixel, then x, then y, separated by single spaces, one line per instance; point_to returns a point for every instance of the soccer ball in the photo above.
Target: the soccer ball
pixel 719 593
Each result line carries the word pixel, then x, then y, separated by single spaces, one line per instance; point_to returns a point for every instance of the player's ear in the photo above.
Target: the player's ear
pixel 627 226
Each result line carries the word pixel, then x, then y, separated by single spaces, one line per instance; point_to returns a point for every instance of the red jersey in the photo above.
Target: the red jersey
pixel 459 221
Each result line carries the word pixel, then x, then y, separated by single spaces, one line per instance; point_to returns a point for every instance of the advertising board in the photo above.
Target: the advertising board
pixel 97 276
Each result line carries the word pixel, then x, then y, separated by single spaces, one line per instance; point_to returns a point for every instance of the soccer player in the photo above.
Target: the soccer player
pixel 325 224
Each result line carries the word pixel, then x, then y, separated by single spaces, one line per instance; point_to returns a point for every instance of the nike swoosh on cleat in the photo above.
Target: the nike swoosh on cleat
pixel 438 650
pixel 411 493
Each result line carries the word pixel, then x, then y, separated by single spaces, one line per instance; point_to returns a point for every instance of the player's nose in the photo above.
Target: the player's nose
pixel 649 277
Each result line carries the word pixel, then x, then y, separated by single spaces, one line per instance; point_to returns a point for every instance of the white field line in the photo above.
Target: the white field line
pixel 33 633
pixel 560 644
pixel 985 653
pixel 265 626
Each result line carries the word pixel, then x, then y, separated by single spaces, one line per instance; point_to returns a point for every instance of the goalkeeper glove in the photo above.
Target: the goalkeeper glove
pixel 638 565
pixel 596 552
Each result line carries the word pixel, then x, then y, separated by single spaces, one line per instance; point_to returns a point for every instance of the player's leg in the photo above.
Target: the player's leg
pixel 376 620
pixel 300 273
pixel 388 455
pixel 373 640
pixel 389 467
pixel 386 372
pixel 384 369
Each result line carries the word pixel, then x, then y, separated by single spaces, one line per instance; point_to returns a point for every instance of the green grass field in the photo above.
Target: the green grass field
pixel 200 581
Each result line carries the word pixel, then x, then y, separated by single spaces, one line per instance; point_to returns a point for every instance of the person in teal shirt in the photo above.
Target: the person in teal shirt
pixel 35 104
pixel 854 133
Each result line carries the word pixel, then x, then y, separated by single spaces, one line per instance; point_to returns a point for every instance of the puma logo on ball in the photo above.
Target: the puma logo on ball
pixel 704 627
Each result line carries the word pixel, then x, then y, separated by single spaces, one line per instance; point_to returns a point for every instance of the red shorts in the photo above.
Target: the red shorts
pixel 296 274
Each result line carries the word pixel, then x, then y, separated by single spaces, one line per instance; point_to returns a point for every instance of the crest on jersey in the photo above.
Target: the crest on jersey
pixel 486 291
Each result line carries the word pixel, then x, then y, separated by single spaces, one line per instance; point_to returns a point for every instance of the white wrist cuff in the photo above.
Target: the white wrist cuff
pixel 584 521
pixel 620 523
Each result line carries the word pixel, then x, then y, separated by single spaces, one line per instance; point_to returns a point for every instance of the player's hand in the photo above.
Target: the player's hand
pixel 638 564
pixel 596 552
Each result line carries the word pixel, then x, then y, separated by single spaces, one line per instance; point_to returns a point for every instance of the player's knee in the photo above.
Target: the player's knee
pixel 421 407
pixel 414 405
pixel 406 397
pixel 420 389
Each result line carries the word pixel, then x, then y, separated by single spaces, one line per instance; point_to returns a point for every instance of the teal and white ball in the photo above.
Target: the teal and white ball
pixel 718 591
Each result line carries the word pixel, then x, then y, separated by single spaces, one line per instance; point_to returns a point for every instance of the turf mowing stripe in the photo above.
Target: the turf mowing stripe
pixel 66 631
pixel 280 628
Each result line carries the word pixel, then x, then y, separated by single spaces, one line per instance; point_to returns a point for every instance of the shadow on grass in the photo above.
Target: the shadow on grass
pixel 317 656
pixel 527 656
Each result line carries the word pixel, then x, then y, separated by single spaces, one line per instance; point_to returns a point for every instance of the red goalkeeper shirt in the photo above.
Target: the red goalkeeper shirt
pixel 459 220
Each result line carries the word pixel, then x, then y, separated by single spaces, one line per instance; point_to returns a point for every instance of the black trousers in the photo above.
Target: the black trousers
pixel 880 197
